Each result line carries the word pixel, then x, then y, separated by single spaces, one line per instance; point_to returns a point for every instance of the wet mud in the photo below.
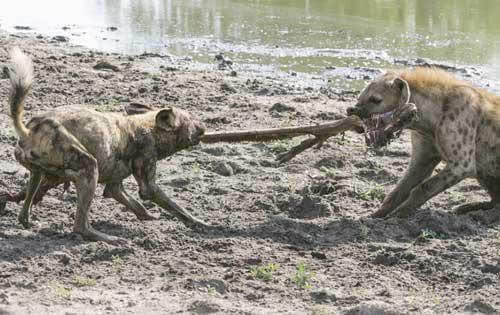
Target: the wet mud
pixel 294 238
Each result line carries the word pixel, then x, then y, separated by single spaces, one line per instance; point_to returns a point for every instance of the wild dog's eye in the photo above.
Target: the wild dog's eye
pixel 375 99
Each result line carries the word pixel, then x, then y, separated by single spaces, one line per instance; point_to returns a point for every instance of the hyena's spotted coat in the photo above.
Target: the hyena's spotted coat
pixel 457 123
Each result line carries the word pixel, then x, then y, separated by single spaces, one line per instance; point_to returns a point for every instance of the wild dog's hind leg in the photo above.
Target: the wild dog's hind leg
pixel 424 159
pixel 116 191
pixel 48 182
pixel 84 173
pixel 31 189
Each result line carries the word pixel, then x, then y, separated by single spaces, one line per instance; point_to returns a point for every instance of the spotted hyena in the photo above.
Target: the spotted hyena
pixel 457 123
pixel 86 147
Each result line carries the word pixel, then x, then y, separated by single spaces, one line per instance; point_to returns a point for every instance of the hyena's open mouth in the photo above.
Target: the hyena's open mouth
pixel 381 129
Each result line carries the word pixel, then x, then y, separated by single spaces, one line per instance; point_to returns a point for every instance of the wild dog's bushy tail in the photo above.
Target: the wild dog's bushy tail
pixel 20 73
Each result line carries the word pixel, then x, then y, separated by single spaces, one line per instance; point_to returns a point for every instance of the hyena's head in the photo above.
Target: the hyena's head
pixel 381 96
pixel 173 125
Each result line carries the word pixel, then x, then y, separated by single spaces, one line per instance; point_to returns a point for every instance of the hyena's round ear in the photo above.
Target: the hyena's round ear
pixel 403 86
pixel 136 108
pixel 166 119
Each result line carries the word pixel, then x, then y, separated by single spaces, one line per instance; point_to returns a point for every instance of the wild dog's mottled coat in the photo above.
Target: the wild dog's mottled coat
pixel 458 124
pixel 73 143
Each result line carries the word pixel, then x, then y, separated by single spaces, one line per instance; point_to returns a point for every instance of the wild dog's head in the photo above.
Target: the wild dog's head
pixel 381 96
pixel 173 121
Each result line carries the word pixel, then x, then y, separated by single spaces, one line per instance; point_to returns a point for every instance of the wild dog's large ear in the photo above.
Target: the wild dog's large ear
pixel 136 108
pixel 403 86
pixel 166 119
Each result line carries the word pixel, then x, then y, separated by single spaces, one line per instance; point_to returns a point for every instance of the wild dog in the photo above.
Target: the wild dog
pixel 457 123
pixel 79 145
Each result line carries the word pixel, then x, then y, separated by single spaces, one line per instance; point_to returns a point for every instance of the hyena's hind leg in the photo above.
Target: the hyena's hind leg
pixel 492 185
pixel 116 191
pixel 475 206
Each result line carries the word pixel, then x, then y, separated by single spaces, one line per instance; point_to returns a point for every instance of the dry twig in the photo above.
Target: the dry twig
pixel 320 132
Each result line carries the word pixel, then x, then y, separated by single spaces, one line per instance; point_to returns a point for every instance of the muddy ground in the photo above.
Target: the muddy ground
pixel 295 238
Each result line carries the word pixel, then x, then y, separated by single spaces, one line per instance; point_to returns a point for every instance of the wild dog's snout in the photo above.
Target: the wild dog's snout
pixel 201 129
pixel 198 132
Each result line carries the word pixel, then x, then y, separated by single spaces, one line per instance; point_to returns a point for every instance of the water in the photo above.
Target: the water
pixel 317 37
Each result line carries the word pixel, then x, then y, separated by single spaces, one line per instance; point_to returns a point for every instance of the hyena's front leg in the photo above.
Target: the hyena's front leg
pixel 424 159
pixel 426 190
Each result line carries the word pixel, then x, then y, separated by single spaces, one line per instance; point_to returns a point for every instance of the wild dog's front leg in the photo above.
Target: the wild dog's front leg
pixel 117 191
pixel 145 175
pixel 426 190
pixel 424 159
pixel 160 198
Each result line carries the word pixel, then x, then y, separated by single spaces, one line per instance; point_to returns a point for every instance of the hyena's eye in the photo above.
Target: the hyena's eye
pixel 375 99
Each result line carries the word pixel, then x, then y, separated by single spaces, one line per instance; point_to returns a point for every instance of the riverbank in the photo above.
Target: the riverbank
pixel 296 239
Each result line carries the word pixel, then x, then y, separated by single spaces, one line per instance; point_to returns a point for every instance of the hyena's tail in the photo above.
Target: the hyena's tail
pixel 20 73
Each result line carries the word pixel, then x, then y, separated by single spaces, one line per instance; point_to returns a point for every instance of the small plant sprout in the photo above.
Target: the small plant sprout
pixel 62 292
pixel 84 281
pixel 302 276
pixel 376 193
pixel 264 273
pixel 280 146
pixel 427 234
pixel 117 262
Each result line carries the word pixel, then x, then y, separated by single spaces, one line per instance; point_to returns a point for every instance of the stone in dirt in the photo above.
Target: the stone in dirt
pixel 324 295
pixel 226 87
pixel 309 207
pixel 480 307
pixel 215 284
pixel 204 307
pixel 373 308
pixel 105 65
pixel 223 168
pixel 280 107
pixel 60 38
pixel 22 28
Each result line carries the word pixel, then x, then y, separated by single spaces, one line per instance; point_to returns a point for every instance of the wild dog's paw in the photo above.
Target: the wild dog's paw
pixel 147 217
pixel 202 227
pixel 89 234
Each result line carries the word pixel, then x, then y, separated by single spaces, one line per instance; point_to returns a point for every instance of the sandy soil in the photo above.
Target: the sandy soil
pixel 295 238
